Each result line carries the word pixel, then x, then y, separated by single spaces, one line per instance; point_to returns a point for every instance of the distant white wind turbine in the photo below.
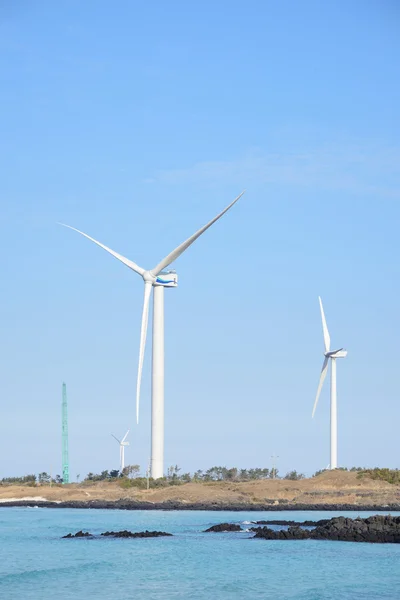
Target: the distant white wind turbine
pixel 122 444
pixel 332 355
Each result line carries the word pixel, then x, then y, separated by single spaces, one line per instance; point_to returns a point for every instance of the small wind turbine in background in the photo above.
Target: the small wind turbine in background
pixel 332 355
pixel 122 443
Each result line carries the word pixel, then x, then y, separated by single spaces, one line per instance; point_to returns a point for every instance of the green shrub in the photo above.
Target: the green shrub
pixel 389 475
pixel 138 482
pixel 294 476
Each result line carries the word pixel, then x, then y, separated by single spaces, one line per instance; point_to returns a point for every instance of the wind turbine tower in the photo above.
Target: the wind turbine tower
pixel 155 280
pixel 122 445
pixel 65 461
pixel 330 355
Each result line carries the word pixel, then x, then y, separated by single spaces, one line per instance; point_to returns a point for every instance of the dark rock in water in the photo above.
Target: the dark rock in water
pixel 224 527
pixel 140 534
pixel 377 529
pixel 292 533
pixel 120 534
pixel 320 522
pixel 78 534
pixel 294 523
pixel 296 533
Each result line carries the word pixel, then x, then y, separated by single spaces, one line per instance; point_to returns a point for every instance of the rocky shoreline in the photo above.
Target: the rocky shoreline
pixel 204 506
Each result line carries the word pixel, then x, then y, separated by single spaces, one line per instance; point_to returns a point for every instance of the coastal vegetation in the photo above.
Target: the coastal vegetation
pixel 24 480
pixel 381 474
pixel 131 476
pixel 389 475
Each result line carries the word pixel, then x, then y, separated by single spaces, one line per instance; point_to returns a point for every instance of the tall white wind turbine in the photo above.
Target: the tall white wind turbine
pixel 122 444
pixel 332 355
pixel 156 279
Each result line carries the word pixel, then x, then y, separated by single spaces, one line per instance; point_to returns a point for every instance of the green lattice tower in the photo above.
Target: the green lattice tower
pixel 65 461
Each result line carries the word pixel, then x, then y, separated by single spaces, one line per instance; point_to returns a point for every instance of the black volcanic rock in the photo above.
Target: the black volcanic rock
pixel 223 527
pixel 124 504
pixel 78 534
pixel 140 534
pixel 377 529
pixel 292 533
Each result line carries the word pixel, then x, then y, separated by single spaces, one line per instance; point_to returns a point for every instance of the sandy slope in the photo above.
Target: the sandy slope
pixel 332 488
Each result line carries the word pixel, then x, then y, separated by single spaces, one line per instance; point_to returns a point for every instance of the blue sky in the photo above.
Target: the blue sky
pixel 137 123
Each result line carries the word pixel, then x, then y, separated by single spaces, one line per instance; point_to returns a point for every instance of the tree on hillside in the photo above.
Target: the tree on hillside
pixel 231 474
pixel 259 473
pixel 173 472
pixel 44 477
pixel 320 472
pixel 273 474
pixel 214 474
pixel 24 479
pixel 294 476
pixel 131 471
pixel 101 477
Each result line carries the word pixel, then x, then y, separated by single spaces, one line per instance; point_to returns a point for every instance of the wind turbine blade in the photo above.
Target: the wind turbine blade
pixel 180 249
pixel 119 441
pixel 327 339
pixel 125 436
pixel 324 371
pixel 126 261
pixel 143 333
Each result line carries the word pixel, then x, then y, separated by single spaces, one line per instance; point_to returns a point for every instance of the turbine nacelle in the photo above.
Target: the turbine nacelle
pixel 164 278
pixel 122 442
pixel 167 279
pixel 341 353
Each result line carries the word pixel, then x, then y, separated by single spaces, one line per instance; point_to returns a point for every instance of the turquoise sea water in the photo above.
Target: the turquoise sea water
pixel 35 564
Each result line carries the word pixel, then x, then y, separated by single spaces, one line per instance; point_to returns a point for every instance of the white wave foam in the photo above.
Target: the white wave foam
pixel 25 499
